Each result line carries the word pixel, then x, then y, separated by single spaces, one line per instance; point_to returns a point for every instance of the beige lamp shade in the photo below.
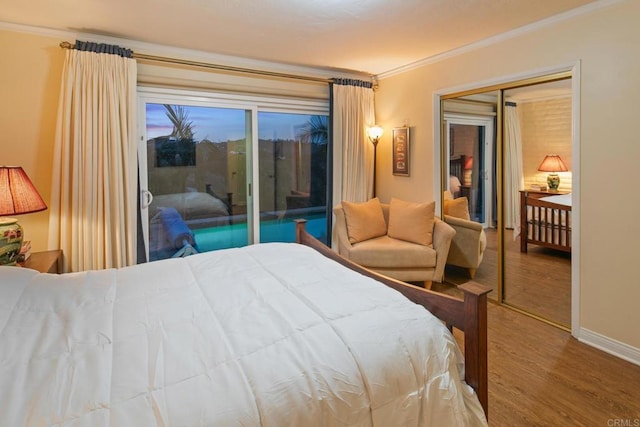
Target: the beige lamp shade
pixel 454 184
pixel 374 133
pixel 552 163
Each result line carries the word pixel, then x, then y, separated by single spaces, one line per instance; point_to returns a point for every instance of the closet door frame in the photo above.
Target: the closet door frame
pixel 562 72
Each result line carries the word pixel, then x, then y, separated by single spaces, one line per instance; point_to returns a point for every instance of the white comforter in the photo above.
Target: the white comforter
pixel 272 334
pixel 560 199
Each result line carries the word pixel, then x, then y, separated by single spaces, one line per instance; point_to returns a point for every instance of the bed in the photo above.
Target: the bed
pixel 272 334
pixel 197 209
pixel 545 220
pixel 456 166
pixel 193 210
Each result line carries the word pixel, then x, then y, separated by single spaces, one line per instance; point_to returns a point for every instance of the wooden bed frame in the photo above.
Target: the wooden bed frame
pixel 541 222
pixel 468 315
pixel 456 166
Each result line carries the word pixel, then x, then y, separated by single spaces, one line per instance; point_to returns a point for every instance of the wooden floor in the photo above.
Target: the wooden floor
pixel 538 281
pixel 541 376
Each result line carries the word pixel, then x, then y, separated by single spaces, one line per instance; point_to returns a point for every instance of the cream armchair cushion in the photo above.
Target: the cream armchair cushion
pixel 458 208
pixel 412 222
pixel 397 258
pixel 390 253
pixel 364 220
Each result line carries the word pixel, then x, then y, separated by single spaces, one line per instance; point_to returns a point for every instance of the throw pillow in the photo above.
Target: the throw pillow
pixel 412 222
pixel 364 220
pixel 458 208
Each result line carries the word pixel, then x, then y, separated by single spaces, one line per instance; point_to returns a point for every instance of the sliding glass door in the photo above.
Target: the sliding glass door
pixel 217 175
pixel 471 147
pixel 197 177
pixel 293 174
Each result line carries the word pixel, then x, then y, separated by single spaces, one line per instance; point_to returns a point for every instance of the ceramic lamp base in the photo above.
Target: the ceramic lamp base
pixel 10 241
pixel 553 181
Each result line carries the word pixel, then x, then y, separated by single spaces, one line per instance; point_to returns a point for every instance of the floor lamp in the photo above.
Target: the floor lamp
pixel 374 133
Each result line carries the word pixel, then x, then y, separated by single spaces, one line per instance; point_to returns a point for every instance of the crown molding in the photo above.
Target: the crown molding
pixel 187 54
pixel 38 31
pixel 570 14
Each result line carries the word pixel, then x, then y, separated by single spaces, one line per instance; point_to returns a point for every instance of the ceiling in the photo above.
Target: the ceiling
pixel 372 36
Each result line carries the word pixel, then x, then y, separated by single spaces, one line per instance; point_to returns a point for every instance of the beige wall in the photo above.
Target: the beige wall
pixel 546 129
pixel 605 42
pixel 30 82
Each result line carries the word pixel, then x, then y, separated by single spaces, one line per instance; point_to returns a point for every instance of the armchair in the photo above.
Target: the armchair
pixel 396 258
pixel 470 240
pixel 468 244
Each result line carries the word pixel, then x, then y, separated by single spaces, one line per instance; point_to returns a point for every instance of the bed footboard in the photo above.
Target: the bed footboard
pixel 544 223
pixel 468 315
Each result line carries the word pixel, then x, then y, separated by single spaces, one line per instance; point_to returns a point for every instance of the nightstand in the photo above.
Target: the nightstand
pixel 45 262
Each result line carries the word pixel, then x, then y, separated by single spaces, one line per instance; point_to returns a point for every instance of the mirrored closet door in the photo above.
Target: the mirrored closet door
pixel 537 220
pixel 507 182
pixel 469 135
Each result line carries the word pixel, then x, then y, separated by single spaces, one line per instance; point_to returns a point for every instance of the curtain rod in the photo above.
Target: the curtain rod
pixel 153 58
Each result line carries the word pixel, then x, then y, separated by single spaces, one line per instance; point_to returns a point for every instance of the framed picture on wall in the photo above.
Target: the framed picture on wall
pixel 401 151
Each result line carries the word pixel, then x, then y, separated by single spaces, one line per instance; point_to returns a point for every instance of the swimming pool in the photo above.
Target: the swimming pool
pixel 275 230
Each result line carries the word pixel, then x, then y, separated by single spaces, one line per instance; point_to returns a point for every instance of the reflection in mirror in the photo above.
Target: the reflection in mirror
pixel 469 199
pixel 537 216
pixel 524 254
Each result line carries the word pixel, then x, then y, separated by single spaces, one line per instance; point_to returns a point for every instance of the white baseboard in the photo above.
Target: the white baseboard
pixel 611 346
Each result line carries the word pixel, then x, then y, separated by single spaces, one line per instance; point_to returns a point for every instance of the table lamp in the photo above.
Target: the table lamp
pixel 17 196
pixel 467 170
pixel 552 163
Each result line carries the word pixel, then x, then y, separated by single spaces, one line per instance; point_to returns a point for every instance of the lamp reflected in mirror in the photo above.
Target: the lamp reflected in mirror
pixel 554 164
pixel 467 171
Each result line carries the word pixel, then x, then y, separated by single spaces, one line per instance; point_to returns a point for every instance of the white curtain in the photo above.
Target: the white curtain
pixel 514 180
pixel 353 113
pixel 94 183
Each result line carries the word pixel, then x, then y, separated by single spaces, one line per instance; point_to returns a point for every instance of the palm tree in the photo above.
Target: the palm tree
pixel 317 131
pixel 182 126
pixel 177 149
